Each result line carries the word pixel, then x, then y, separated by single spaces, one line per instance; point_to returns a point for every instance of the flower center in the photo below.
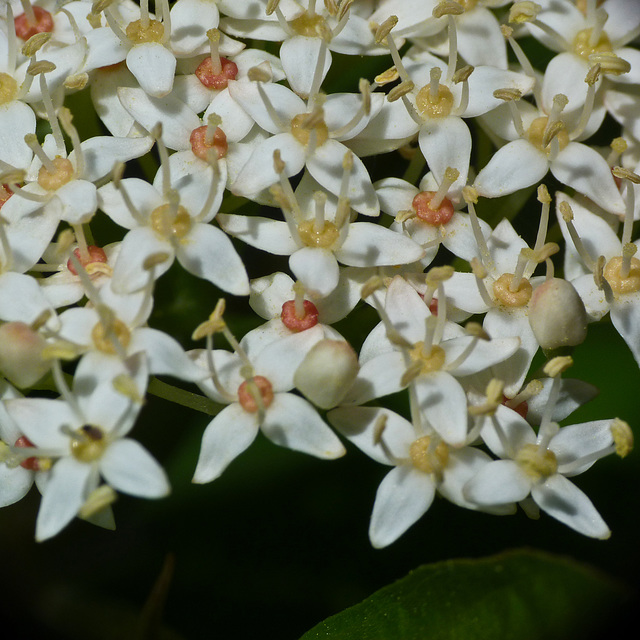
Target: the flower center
pixel 217 81
pixel 434 106
pixel 200 146
pixel 313 237
pixel 25 29
pixel 53 180
pixel 311 26
pixel 433 361
pixel 503 294
pixel 8 88
pixel 535 463
pixel 170 222
pixel 138 33
pixel 104 336
pixel 255 394
pixel 302 130
pixel 422 206
pixel 631 283
pixel 33 463
pixel 427 458
pixel 536 132
pixel 582 44
pixel 88 443
pixel 294 322
pixel 5 194
pixel 95 255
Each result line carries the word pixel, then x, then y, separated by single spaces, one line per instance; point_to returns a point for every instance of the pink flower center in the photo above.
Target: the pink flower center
pixel 25 29
pixel 255 392
pixel 200 146
pixel 440 215
pixel 94 254
pixel 5 194
pixel 205 73
pixel 294 322
pixel 32 464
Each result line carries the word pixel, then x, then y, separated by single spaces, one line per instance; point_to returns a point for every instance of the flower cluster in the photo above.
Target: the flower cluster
pixel 233 130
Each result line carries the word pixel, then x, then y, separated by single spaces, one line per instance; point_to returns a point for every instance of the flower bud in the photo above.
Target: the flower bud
pixel 21 359
pixel 327 372
pixel 557 315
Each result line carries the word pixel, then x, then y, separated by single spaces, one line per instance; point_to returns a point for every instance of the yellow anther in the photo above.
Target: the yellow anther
pixel 401 90
pixel 552 131
pixel 593 75
pixel 272 5
pixel 524 12
pixel 214 324
pixel 371 286
pixel 447 8
pixel 60 350
pixel 35 43
pixel 379 427
pixel 77 81
pixel 543 194
pixel 506 30
pixel 626 174
pixel 566 211
pixel 610 63
pixel 476 329
pixel 462 74
pixel 405 215
pixel 557 366
pixel 98 500
pixel 126 385
pixel 495 391
pixel 619 145
pixel 439 274
pixel 153 260
pixel 507 94
pixel 40 66
pixel 390 75
pixel 259 74
pixel 385 28
pixel 41 320
pixel 478 269
pixel 622 437
pixel 598 272
pixel 469 194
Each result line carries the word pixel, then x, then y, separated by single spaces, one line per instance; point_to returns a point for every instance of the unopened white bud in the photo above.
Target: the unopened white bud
pixel 21 358
pixel 557 315
pixel 327 372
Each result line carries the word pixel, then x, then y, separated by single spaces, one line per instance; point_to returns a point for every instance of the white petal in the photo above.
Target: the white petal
pixel 299 56
pixel 21 298
pixel 65 493
pixel 190 20
pixel 153 66
pixel 292 422
pixel 561 499
pixel 102 152
pixel 625 315
pixel 378 377
pixel 224 439
pixel 16 121
pixel 14 484
pixel 316 268
pixel 209 254
pixel 370 245
pixel 515 166
pixel 263 233
pixel 128 467
pixel 499 482
pixel 403 497
pixel 584 169
pixel 177 119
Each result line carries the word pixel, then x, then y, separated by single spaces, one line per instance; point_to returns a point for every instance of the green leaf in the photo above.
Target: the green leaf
pixel 519 595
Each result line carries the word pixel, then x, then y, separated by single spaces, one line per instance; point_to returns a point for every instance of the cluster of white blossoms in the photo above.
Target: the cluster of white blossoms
pixel 455 346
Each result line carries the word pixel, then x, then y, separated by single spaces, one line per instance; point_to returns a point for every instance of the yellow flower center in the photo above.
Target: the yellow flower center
pixel 434 106
pixel 503 294
pixel 53 180
pixel 313 26
pixel 138 33
pixel 8 88
pixel 89 443
pixel 434 361
pixel 630 284
pixel 104 336
pixel 302 130
pixel 169 221
pixel 583 47
pixel 536 132
pixel 535 463
pixel 427 458
pixel 312 237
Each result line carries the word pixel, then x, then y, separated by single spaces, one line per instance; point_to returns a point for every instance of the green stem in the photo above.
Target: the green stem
pixel 184 398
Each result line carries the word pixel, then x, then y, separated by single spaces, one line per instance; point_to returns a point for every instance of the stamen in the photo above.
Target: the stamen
pixel 214 45
pixel 545 199
pixel 63 389
pixel 12 42
pixel 66 120
pixel 510 96
pixel 318 72
pixel 591 79
pixel 320 199
pixel 598 20
pixel 628 251
pixel 462 76
pixel 470 196
pixel 480 274
pixel 618 147
pixel 531 390
pixel 166 19
pixel 31 141
pixel 343 209
pixel 28 10
pixel 450 176
pixel 622 437
pixel 82 242
pixel 116 176
pixel 343 17
pixel 523 260
pixel 363 111
pixel 523 60
pixel 144 14
pixel 384 32
pixel 114 25
pixel 269 107
pixel 567 215
pixel 156 132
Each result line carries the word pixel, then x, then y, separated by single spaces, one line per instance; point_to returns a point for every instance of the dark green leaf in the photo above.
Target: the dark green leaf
pixel 519 595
